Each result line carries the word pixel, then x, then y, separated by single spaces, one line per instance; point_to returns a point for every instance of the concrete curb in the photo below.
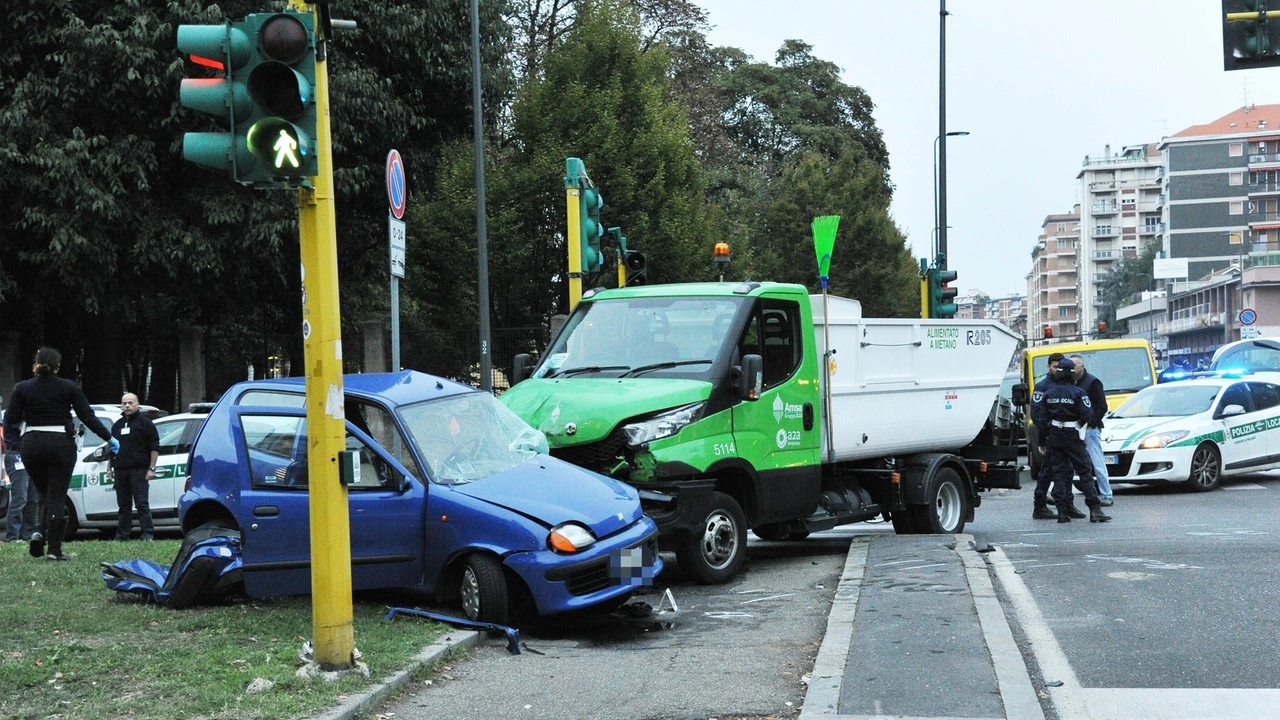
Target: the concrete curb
pixel 823 696
pixel 366 701
pixel 1016 689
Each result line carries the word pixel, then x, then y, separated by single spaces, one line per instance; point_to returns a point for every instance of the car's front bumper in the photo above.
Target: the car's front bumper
pixel 562 583
pixel 1161 465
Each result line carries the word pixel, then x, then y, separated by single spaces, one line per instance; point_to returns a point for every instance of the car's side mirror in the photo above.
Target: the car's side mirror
pixel 1231 411
pixel 405 484
pixel 98 455
pixel 521 367
pixel 748 379
pixel 1020 394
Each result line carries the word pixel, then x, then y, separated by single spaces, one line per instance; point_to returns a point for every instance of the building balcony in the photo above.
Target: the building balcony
pixel 1263 218
pixel 1264 188
pixel 1151 229
pixel 1105 255
pixel 1192 322
pixel 1099 302
pixel 1102 186
pixel 1104 209
pixel 1264 158
pixel 1148 206
pixel 1106 231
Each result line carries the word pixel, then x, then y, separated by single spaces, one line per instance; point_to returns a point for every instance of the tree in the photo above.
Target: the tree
pixel 1130 277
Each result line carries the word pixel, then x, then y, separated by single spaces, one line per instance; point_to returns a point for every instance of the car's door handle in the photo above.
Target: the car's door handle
pixel 266 511
pixel 808 416
pixel 162 472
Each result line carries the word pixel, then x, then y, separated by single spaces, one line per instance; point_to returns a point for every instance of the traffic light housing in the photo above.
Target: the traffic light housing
pixel 637 267
pixel 1247 34
pixel 941 295
pixel 591 228
pixel 266 97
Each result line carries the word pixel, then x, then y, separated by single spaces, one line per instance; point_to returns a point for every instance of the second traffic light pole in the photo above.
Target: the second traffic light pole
pixel 333 635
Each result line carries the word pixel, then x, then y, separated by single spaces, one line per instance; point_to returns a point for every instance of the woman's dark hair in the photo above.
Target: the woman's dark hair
pixel 48 361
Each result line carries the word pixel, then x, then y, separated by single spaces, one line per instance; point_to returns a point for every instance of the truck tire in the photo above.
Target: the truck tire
pixel 903 524
pixel 1033 455
pixel 948 505
pixel 718 547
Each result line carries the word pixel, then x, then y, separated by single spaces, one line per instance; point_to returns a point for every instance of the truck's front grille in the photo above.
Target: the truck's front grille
pixel 600 456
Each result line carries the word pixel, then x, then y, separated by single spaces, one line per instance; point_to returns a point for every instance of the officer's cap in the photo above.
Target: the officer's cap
pixel 1065 364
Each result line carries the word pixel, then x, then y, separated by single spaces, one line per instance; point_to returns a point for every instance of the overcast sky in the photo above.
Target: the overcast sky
pixel 1038 86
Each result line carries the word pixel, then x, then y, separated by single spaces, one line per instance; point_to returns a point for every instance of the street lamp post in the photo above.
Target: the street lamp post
pixel 939 205
pixel 1151 313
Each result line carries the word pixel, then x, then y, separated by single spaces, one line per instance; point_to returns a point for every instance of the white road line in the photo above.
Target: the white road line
pixel 896 562
pixel 1032 567
pixel 1077 703
pixel 823 697
pixel 771 597
pixel 1012 680
pixel 1244 486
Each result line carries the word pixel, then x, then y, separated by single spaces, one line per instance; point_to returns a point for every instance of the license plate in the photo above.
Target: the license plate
pixel 1111 459
pixel 632 566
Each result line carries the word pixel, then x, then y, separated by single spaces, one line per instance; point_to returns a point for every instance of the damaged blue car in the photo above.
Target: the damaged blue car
pixel 456 496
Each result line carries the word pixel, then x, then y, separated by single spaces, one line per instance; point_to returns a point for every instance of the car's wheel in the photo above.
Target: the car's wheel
pixel 484 590
pixel 187 591
pixel 1206 469
pixel 73 522
pixel 781 531
pixel 718 546
pixel 948 505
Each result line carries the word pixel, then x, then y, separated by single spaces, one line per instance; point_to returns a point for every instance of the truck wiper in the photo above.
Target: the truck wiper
pixel 661 365
pixel 590 368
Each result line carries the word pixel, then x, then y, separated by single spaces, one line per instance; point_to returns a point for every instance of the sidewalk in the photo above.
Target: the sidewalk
pixel 916 631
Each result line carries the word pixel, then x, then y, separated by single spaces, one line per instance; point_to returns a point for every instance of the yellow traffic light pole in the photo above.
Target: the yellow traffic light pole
pixel 333 635
pixel 622 272
pixel 571 195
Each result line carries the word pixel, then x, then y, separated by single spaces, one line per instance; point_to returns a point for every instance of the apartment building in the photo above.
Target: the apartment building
pixel 1121 210
pixel 1224 189
pixel 1053 286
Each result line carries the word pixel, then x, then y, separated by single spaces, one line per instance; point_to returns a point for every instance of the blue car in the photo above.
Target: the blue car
pixel 456 496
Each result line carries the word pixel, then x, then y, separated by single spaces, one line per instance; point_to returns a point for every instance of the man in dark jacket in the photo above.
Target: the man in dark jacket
pixel 134 467
pixel 1092 387
pixel 1040 418
pixel 1069 410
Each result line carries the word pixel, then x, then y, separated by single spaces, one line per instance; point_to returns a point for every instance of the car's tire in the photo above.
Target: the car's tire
pixel 781 531
pixel 187 591
pixel 73 522
pixel 1206 469
pixel 483 592
pixel 948 505
pixel 718 546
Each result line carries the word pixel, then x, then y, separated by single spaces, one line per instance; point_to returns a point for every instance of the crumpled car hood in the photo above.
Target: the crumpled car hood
pixel 552 491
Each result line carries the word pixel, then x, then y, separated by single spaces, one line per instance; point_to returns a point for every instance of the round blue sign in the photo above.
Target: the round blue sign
pixel 1248 316
pixel 397 193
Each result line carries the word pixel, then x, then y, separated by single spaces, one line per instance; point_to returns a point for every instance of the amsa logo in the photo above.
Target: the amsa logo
pixel 783 409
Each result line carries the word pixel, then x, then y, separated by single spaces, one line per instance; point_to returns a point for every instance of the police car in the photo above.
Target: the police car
pixel 92 495
pixel 1195 431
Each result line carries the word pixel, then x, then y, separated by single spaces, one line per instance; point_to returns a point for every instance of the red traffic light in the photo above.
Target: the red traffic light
pixel 1102 326
pixel 283 38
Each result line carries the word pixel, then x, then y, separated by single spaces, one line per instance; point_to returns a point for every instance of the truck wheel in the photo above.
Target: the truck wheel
pixel 903 524
pixel 1034 458
pixel 484 590
pixel 718 547
pixel 948 505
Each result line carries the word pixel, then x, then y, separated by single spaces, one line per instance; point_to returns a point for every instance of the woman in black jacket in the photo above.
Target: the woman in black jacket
pixel 45 403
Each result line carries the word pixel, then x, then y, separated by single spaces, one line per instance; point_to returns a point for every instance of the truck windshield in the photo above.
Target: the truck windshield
pixel 1121 370
pixel 641 335
pixel 1175 400
pixel 469 437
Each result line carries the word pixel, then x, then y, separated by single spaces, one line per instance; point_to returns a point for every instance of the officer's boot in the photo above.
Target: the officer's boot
pixel 1043 512
pixel 36 548
pixel 1073 511
pixel 1096 515
pixel 57 528
pixel 1064 516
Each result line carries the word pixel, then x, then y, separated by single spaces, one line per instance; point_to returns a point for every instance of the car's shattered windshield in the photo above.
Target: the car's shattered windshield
pixel 469 437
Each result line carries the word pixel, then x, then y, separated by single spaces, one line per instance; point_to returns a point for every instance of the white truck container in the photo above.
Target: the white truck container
pixel 907 386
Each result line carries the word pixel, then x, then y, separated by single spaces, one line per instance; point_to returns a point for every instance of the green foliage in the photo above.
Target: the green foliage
pixel 1131 276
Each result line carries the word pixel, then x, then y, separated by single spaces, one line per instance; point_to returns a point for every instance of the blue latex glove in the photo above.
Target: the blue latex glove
pixel 115 446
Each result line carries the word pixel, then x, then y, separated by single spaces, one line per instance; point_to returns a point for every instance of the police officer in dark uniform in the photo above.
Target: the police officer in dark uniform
pixel 1069 410
pixel 1040 417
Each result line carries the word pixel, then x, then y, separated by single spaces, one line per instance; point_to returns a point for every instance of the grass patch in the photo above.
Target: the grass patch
pixel 70 648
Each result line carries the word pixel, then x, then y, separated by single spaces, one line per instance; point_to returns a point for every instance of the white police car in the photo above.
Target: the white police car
pixel 1194 431
pixel 92 496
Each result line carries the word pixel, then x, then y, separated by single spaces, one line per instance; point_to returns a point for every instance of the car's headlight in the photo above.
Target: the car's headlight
pixel 570 538
pixel 663 425
pixel 1163 439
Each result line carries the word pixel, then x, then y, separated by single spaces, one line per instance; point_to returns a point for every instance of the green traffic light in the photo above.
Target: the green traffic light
pixel 280 145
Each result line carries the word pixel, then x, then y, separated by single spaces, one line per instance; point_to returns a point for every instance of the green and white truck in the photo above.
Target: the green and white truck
pixel 713 400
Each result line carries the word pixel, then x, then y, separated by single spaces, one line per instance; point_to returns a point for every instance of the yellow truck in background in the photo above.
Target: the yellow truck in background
pixel 1123 366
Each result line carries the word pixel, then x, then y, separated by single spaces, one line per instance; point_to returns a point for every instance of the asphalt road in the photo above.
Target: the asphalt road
pixel 732 651
pixel 1167 611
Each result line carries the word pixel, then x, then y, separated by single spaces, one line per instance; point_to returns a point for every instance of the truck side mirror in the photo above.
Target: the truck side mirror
pixel 748 381
pixel 522 368
pixel 1019 395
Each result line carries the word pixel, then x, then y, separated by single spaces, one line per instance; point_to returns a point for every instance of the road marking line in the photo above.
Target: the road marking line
pixel 822 699
pixel 1244 486
pixel 1032 567
pixel 1073 701
pixel 771 597
pixel 1012 679
pixel 920 567
pixel 896 562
